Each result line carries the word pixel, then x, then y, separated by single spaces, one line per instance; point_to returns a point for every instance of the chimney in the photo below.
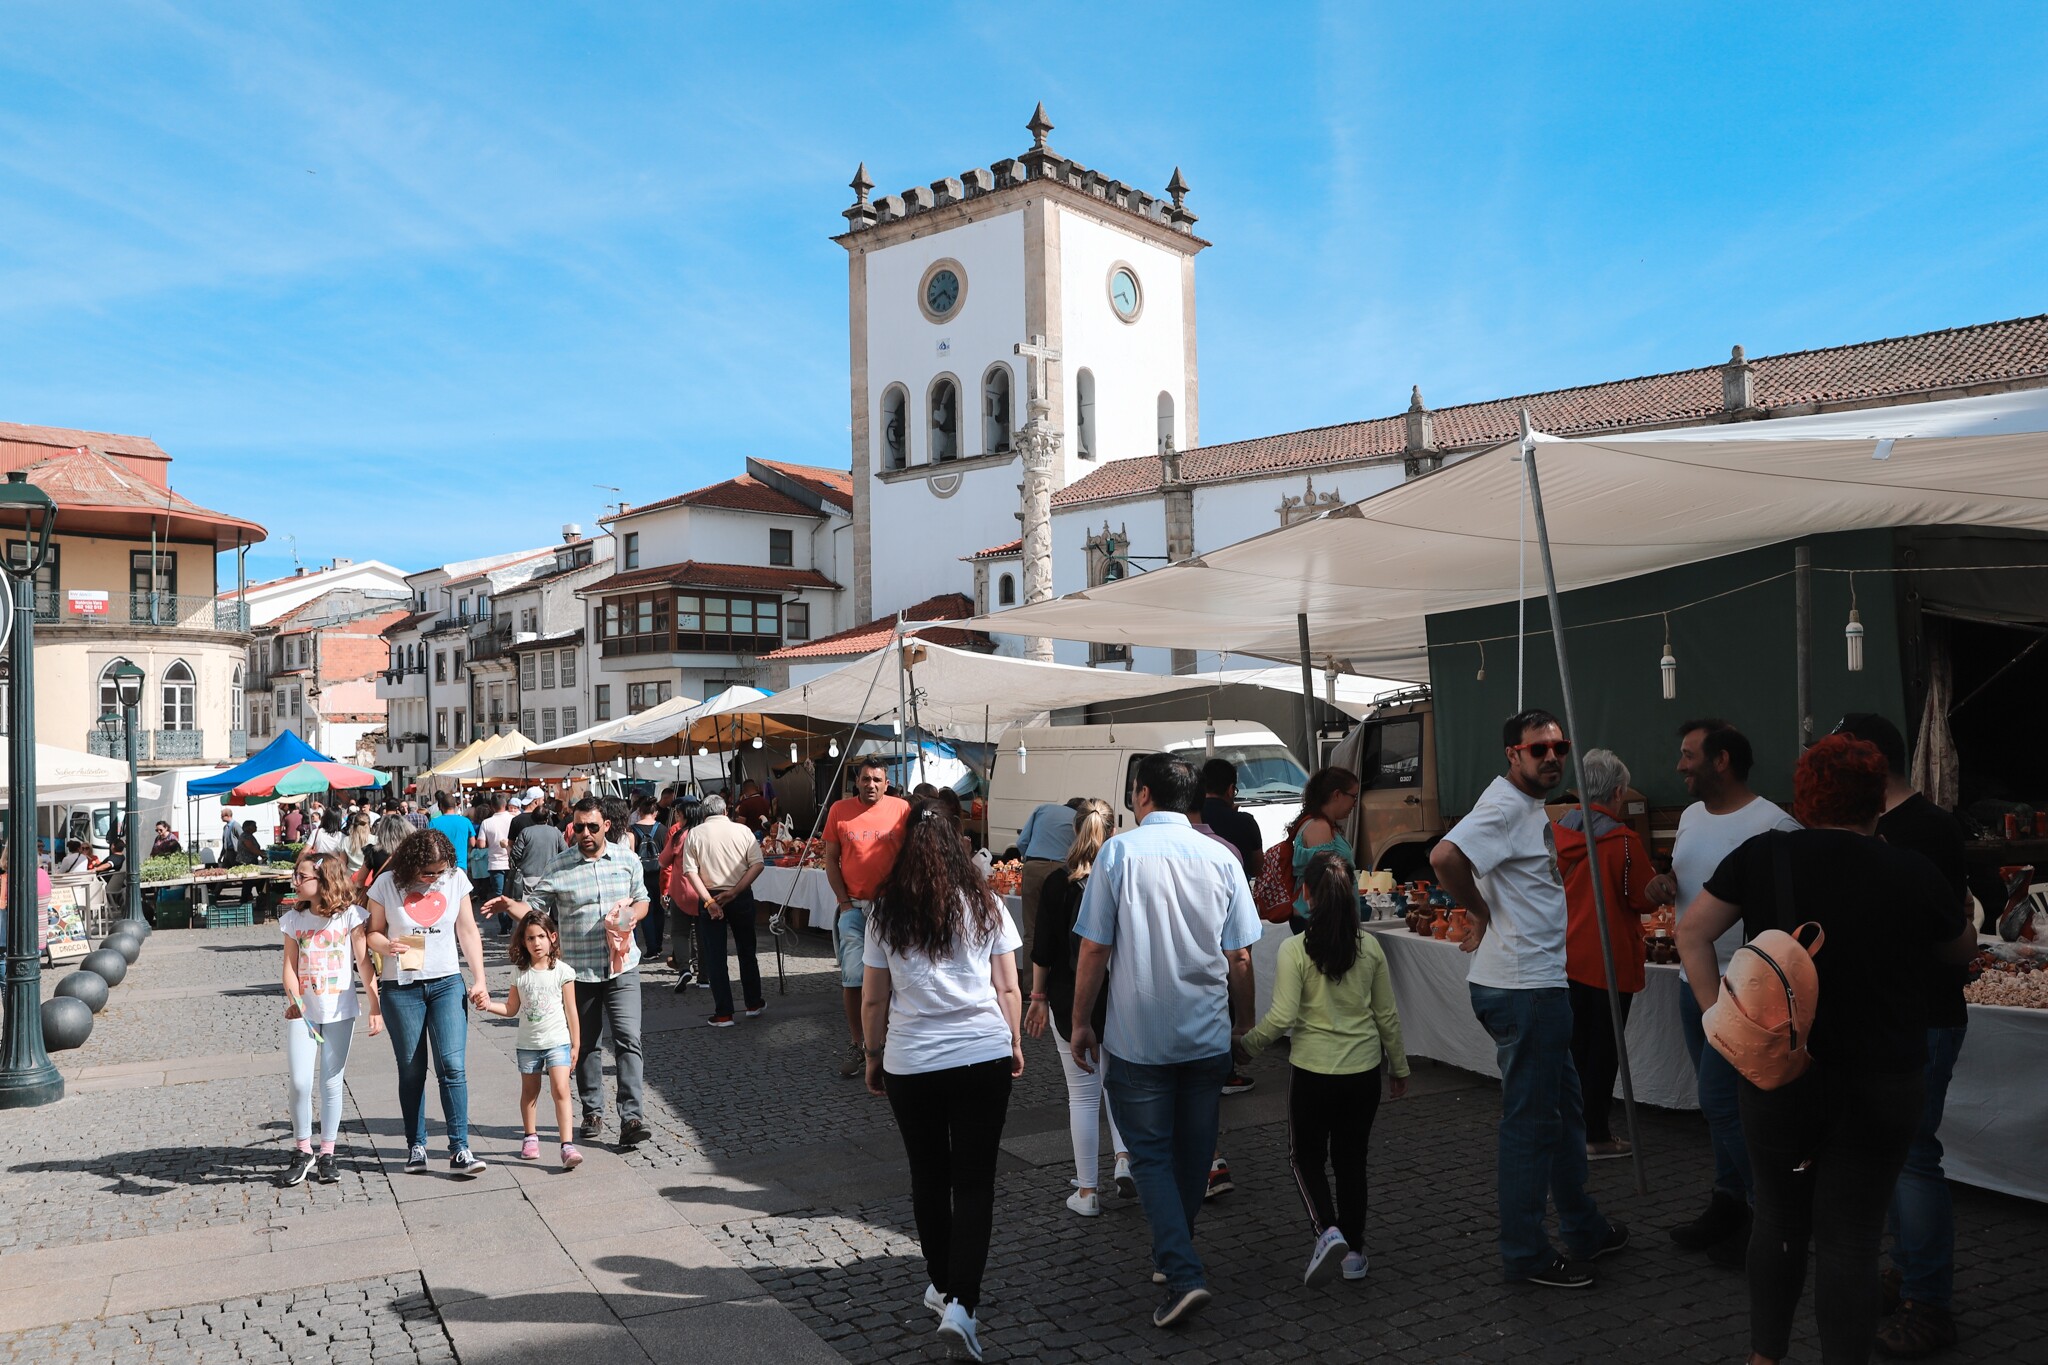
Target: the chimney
pixel 1419 449
pixel 1738 383
pixel 571 532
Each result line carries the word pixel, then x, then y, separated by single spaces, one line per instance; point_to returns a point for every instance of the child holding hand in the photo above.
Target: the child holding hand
pixel 325 954
pixel 543 1000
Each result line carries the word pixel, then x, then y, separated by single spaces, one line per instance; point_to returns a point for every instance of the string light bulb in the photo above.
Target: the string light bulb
pixel 792 751
pixel 1668 665
pixel 1853 634
pixel 1023 759
pixel 1482 662
pixel 757 741
pixel 702 751
pixel 832 749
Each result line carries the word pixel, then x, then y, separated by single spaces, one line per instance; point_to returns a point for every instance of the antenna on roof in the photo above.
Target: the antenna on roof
pixel 615 506
pixel 293 541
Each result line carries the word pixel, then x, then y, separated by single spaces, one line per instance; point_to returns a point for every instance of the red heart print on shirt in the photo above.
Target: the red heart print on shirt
pixel 425 909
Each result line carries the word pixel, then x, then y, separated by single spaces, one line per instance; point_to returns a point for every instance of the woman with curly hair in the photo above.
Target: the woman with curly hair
pixel 1827 1148
pixel 939 1010
pixel 421 925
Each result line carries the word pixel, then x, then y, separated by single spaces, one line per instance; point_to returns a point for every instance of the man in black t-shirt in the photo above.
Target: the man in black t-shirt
pixel 1220 813
pixel 1922 1213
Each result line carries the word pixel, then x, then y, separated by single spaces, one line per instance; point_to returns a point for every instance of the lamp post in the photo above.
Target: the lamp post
pixel 27 1075
pixel 128 685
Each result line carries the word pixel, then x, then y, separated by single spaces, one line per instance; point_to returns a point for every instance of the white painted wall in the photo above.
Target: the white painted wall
pixel 268 603
pixel 1132 362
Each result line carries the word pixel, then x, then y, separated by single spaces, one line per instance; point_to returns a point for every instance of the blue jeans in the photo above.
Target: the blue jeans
pixel 430 1012
pixel 1169 1117
pixel 1717 1093
pixel 1923 1215
pixel 1542 1128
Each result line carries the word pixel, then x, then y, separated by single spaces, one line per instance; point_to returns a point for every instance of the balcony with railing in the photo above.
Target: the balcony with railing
pixel 142 610
pixel 489 642
pixel 159 746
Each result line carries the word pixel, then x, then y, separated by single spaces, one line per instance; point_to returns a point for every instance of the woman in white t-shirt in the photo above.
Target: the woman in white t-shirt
pixel 328 838
pixel 326 950
pixel 421 925
pixel 940 1011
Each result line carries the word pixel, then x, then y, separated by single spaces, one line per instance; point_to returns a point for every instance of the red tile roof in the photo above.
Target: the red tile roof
pixel 405 623
pixel 692 574
pixel 1003 551
pixel 872 635
pixel 95 489
pixel 743 494
pixel 1871 371
pixel 140 447
pixel 833 485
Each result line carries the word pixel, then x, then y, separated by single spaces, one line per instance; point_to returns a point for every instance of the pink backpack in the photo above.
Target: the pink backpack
pixel 1765 1013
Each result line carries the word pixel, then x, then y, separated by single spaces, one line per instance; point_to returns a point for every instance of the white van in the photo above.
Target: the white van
pixel 1056 763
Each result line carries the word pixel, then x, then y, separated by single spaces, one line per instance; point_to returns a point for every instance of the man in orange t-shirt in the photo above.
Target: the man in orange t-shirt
pixel 863 834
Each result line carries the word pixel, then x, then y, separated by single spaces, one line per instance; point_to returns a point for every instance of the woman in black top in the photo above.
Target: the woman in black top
pixel 1054 950
pixel 1828 1147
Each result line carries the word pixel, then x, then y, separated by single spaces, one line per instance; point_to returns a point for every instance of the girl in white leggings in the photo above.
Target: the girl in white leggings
pixel 324 954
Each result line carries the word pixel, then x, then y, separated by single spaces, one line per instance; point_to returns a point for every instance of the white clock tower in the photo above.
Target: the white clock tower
pixel 945 281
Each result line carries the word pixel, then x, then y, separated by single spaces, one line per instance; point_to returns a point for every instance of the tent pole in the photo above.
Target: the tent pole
pixel 1564 678
pixel 1308 696
pixel 1802 613
pixel 902 701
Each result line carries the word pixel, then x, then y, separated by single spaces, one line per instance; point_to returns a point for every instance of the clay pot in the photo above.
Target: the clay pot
pixel 1441 925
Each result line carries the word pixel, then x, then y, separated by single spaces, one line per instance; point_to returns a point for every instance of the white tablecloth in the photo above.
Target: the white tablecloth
pixel 806 890
pixel 1997 1105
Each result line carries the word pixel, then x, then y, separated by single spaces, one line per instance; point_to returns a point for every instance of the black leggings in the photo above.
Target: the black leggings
pixel 952 1121
pixel 1329 1118
pixel 1593 1054
pixel 1826 1151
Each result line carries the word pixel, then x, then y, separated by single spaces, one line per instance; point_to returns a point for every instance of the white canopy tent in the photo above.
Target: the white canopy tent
pixel 670 730
pixel 65 777
pixel 594 742
pixel 1366 574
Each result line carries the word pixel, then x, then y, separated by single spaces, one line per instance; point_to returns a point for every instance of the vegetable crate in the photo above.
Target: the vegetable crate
pixel 230 916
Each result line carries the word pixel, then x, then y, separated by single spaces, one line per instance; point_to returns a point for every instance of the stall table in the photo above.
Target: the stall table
pixel 256 882
pixel 1991 1129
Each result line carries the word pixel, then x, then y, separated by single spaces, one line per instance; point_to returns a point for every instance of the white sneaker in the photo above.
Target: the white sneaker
pixel 957 1332
pixel 1087 1205
pixel 1354 1265
pixel 934 1300
pixel 1324 1261
pixel 1126 1187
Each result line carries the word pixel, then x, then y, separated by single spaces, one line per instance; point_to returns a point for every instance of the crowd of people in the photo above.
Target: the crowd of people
pixel 1138 949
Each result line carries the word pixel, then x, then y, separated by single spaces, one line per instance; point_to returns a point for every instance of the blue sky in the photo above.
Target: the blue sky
pixel 411 281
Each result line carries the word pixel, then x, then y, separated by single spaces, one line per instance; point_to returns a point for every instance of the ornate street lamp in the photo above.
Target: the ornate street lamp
pixel 27 1075
pixel 128 686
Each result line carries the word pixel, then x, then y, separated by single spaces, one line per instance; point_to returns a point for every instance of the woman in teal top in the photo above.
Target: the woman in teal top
pixel 1331 989
pixel 1326 804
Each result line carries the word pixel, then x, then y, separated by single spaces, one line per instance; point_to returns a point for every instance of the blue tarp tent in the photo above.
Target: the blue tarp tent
pixel 282 752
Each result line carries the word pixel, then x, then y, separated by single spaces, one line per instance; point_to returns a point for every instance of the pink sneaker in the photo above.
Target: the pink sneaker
pixel 571 1158
pixel 529 1147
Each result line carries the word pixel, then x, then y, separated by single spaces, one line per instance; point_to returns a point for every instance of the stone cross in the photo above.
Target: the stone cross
pixel 1037 356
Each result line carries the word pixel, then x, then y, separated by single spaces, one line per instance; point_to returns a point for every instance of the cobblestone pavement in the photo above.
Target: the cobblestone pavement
pixel 374 1321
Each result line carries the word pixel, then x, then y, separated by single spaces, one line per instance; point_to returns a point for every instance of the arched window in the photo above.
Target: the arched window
pixel 180 698
pixel 110 691
pixel 1166 441
pixel 1084 415
pixel 1006 591
pixel 944 405
pixel 895 427
pixel 235 701
pixel 995 410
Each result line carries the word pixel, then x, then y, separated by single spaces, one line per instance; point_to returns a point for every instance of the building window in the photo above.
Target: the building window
pixel 455 665
pixel 636 624
pixel 568 668
pixel 1084 415
pixel 46 577
pixel 547 723
pixel 995 410
pixel 235 701
pixel 441 728
pixel 440 665
pixel 1166 442
pixel 601 698
pixel 1006 590
pixel 632 551
pixel 110 693
pixel 782 548
pixel 568 720
pixel 152 584
pixel 529 620
pixel 547 670
pixel 526 724
pixel 298 699
pixel 796 620
pixel 642 695
pixel 526 672
pixel 895 427
pixel 180 698
pixel 461 730
pixel 943 402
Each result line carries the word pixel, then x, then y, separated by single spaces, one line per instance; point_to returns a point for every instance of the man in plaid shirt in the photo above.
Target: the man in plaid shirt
pixel 596 900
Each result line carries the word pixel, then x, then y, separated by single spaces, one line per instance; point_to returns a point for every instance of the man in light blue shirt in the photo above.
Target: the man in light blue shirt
pixel 1169 910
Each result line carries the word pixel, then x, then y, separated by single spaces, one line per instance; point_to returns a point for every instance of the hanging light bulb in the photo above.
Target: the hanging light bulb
pixel 757 741
pixel 1668 665
pixel 1853 635
pixel 792 751
pixel 1209 734
pixel 1023 759
pixel 702 752
pixel 1482 662
pixel 832 749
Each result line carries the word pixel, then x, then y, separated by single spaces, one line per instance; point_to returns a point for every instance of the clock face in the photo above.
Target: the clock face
pixel 1123 293
pixel 941 292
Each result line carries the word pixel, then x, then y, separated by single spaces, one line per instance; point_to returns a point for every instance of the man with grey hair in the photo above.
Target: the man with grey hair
pixel 1625 873
pixel 721 859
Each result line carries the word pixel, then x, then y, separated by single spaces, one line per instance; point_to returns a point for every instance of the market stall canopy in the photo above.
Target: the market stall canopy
pixel 472 762
pixel 303 779
pixel 667 731
pixel 281 752
pixel 959 692
pixel 594 744
pixel 66 777
pixel 1366 574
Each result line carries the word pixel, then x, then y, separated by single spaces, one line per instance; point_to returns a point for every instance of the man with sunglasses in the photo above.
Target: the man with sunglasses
pixel 588 891
pixel 1500 862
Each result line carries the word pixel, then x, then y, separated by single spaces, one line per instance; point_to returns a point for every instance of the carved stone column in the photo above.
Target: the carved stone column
pixel 1040 447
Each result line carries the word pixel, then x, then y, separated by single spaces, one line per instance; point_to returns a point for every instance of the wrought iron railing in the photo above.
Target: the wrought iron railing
pixel 177 745
pixel 148 610
pixel 238 745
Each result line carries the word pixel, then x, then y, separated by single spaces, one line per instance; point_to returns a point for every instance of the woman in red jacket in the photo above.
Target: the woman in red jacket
pixel 1625 872
pixel 682 898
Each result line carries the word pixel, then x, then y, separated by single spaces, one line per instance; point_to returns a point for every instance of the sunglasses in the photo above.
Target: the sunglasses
pixel 1543 748
pixel 582 828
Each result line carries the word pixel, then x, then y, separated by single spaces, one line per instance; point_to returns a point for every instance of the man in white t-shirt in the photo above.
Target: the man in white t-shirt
pixel 1500 862
pixel 496 832
pixel 1714 758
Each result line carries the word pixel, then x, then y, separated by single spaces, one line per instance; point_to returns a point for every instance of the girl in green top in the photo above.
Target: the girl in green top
pixel 1331 988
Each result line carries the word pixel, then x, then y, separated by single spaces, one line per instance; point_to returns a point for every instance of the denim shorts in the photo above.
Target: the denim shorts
pixel 850 939
pixel 535 1061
